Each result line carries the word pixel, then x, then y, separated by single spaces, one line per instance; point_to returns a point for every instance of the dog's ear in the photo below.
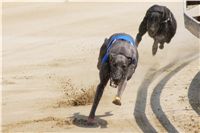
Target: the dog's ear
pixel 111 56
pixel 165 13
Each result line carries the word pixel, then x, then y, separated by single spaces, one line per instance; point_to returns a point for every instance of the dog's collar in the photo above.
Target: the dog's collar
pixel 168 19
pixel 114 38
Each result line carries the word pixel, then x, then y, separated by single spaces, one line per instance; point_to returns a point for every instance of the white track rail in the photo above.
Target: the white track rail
pixel 191 23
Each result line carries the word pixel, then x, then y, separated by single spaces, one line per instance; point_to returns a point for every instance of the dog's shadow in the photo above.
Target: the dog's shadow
pixel 81 120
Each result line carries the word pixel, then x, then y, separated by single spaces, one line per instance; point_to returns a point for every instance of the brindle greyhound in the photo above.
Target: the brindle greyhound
pixel 117 61
pixel 160 24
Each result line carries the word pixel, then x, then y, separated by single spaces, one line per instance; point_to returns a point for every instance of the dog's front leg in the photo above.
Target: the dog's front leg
pixel 120 91
pixel 155 47
pixel 102 52
pixel 98 95
pixel 104 77
pixel 142 30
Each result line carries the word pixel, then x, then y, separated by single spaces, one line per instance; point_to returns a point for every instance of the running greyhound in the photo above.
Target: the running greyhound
pixel 117 61
pixel 160 24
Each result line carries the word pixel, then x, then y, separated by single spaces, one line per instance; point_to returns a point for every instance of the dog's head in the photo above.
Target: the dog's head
pixel 153 22
pixel 119 65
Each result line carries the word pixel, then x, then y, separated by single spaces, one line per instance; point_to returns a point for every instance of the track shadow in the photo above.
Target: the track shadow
pixel 140 106
pixel 194 93
pixel 81 120
pixel 155 99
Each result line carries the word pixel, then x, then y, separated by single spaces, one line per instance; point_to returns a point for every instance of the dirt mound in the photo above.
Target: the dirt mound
pixel 74 96
pixel 58 122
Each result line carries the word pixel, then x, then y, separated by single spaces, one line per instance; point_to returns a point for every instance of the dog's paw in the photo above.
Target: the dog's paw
pixel 161 46
pixel 117 101
pixel 91 121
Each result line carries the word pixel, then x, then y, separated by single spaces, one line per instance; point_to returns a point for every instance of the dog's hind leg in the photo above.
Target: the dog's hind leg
pixel 104 77
pixel 121 88
pixel 102 53
pixel 155 47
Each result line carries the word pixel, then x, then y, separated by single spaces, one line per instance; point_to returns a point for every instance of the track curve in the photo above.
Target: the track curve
pixel 155 98
pixel 194 93
pixel 140 106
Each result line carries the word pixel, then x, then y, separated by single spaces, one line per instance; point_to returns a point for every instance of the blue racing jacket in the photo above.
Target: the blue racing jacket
pixel 124 37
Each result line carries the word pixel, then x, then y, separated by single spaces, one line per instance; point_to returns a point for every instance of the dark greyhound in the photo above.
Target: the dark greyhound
pixel 117 61
pixel 160 24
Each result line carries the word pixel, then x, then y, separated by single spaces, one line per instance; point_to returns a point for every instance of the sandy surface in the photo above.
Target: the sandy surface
pixel 50 52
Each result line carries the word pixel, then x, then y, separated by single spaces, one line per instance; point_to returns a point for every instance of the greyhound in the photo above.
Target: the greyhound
pixel 160 24
pixel 117 61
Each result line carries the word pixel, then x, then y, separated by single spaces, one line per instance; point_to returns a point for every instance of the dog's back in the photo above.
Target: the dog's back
pixel 126 48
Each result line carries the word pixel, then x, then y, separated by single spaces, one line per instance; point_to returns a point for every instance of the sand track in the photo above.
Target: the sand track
pixel 140 105
pixel 50 53
pixel 155 99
